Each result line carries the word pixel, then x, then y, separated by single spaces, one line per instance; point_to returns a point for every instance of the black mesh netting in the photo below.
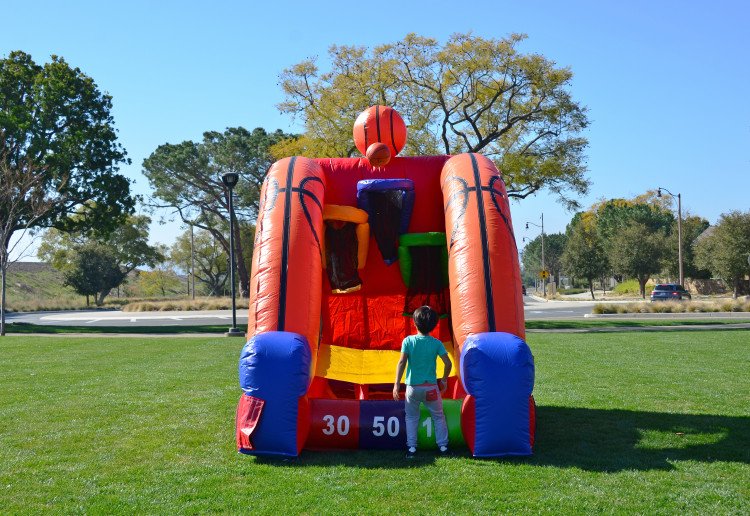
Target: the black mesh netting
pixel 341 255
pixel 385 219
pixel 427 281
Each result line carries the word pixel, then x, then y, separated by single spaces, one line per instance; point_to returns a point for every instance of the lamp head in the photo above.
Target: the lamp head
pixel 230 179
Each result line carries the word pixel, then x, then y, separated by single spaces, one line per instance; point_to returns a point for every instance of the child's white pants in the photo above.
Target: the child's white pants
pixel 419 394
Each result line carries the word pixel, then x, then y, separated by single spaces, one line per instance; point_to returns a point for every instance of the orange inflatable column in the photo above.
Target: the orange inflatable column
pixel 286 278
pixel 483 270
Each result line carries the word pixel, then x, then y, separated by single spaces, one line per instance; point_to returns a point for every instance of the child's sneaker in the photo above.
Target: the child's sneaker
pixel 443 450
pixel 411 452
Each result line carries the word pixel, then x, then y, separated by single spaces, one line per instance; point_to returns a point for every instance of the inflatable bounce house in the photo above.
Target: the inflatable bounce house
pixel 345 250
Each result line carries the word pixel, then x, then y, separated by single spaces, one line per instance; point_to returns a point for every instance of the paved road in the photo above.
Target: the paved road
pixel 534 310
pixel 118 318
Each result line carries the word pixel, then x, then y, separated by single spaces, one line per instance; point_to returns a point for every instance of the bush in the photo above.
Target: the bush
pixel 631 287
pixel 570 291
pixel 668 307
pixel 202 303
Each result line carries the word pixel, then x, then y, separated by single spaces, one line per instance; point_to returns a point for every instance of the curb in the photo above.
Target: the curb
pixel 626 329
pixel 676 315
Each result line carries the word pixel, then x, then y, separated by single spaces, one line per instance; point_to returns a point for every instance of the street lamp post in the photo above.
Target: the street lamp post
pixel 230 181
pixel 679 229
pixel 192 259
pixel 544 267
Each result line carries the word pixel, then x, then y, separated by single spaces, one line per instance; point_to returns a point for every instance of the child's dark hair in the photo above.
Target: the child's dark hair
pixel 425 318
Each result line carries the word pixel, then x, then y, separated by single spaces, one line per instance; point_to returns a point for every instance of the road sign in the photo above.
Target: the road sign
pixel 544 274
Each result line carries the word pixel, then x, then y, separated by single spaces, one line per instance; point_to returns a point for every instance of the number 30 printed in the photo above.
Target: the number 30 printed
pixel 342 425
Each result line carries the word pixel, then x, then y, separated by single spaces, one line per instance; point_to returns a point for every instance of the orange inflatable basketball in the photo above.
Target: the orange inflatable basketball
pixel 380 124
pixel 378 154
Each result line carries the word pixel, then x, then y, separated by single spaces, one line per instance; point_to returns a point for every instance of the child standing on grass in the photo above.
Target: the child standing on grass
pixel 418 355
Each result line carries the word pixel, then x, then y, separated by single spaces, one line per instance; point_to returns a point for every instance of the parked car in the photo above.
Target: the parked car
pixel 670 292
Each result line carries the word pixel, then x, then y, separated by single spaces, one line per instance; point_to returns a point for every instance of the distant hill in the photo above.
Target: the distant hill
pixel 38 286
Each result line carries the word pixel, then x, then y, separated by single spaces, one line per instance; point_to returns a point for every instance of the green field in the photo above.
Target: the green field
pixel 654 422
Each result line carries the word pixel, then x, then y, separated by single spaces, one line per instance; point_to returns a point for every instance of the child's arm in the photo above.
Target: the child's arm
pixel 399 373
pixel 443 382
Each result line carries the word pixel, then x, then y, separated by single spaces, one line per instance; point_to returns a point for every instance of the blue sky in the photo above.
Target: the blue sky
pixel 666 83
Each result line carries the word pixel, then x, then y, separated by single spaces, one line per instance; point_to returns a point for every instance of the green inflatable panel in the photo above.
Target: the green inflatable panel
pixel 426 432
pixel 432 239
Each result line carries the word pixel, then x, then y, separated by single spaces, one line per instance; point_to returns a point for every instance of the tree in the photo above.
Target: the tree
pixel 554 244
pixel 211 260
pixel 127 248
pixel 726 249
pixel 637 250
pixel 692 227
pixel 59 151
pixel 614 215
pixel 187 178
pixel 18 193
pixel 159 282
pixel 469 95
pixel 92 270
pixel 584 255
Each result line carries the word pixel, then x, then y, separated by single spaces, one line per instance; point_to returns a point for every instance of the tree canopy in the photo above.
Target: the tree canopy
pixel 186 177
pixel 725 251
pixel 211 260
pixel 554 244
pixel 55 123
pixel 637 251
pixel 584 255
pixel 123 249
pixel 470 94
pixel 59 154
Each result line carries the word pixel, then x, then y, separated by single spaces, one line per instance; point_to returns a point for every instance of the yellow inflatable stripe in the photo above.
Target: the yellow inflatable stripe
pixel 364 366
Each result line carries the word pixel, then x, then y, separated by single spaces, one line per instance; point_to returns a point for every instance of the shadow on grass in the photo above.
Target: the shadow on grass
pixel 369 459
pixel 589 439
pixel 615 440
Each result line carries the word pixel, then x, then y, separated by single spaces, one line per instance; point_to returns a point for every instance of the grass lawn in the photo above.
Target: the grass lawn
pixel 654 422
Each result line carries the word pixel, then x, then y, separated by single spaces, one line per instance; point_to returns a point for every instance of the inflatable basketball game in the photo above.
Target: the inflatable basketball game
pixel 345 250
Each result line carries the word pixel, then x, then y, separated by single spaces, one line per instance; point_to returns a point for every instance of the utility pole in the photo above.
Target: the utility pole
pixel 679 230
pixel 544 267
pixel 230 181
pixel 544 264
pixel 192 259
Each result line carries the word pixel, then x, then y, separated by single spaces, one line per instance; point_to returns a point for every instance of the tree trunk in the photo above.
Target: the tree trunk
pixel 591 288
pixel 242 274
pixel 642 284
pixel 736 290
pixel 99 298
pixel 87 300
pixel 3 268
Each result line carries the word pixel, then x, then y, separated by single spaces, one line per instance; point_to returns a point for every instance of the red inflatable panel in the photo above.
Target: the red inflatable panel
pixel 287 269
pixel 469 421
pixel 532 419
pixel 333 424
pixel 483 270
pixel 249 410
pixel 372 318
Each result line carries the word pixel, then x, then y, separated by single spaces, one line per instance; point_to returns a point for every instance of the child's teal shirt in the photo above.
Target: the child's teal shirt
pixel 422 351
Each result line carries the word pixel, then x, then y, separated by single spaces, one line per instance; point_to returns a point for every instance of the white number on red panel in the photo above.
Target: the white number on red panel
pixel 340 426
